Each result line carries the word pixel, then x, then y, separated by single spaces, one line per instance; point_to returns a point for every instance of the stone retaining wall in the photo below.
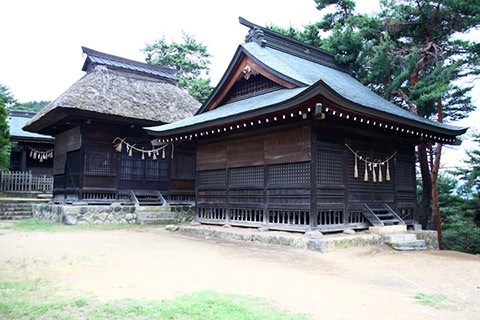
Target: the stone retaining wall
pixel 109 214
pixel 295 240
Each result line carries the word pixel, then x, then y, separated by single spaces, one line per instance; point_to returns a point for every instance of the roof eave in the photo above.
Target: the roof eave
pixel 318 88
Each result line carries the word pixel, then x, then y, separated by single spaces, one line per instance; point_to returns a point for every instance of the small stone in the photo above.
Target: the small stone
pixel 349 231
pixel 195 223
pixel 227 225
pixel 129 216
pixel 313 234
pixel 171 227
pixel 69 220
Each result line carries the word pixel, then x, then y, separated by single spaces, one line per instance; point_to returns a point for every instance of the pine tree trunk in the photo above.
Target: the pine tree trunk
pixel 424 211
pixel 436 223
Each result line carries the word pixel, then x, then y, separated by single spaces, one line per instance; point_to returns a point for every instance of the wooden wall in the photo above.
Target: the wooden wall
pixel 292 145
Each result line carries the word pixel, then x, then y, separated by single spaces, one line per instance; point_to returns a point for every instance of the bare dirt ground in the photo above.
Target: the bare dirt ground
pixel 153 263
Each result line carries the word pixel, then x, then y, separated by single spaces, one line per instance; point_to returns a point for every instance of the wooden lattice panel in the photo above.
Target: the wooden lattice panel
pixel 99 161
pixel 248 176
pixel 215 178
pixel 255 84
pixel 289 173
pixel 330 167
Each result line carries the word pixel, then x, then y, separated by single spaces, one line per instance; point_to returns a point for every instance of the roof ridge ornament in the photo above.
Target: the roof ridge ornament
pixel 257 35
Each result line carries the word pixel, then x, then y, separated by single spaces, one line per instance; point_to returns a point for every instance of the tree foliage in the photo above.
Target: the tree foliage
pixel 191 60
pixel 411 54
pixel 6 100
pixel 30 105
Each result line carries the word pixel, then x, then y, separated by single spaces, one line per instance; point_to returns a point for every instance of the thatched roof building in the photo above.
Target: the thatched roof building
pixel 112 103
pixel 116 88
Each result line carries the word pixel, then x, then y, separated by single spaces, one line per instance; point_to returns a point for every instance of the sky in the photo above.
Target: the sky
pixel 40 48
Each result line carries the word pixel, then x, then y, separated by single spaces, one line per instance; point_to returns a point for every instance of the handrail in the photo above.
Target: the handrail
pixel 394 214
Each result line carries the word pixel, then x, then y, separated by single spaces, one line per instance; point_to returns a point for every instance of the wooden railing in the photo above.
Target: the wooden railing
pixel 24 181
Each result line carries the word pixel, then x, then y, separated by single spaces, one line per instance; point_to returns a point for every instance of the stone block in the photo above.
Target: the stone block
pixel 314 234
pixel 388 229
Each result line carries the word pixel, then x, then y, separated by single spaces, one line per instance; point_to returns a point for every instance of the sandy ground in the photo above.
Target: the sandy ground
pixel 153 263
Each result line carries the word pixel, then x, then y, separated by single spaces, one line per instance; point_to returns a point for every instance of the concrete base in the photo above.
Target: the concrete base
pixel 388 229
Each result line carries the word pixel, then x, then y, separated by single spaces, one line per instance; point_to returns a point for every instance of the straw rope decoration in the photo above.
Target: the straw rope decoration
pixel 40 155
pixel 371 165
pixel 119 142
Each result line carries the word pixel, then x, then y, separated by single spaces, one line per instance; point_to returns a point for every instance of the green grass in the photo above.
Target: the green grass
pixel 39 300
pixel 45 225
pixel 437 301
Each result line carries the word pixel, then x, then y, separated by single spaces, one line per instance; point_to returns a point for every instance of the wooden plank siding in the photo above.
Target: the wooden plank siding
pixel 300 179
pixel 93 170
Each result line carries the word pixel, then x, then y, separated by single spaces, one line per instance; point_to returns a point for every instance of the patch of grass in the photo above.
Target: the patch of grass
pixel 48 226
pixel 437 301
pixel 38 300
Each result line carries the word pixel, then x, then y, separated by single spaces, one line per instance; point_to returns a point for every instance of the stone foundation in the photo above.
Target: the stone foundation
pixel 110 214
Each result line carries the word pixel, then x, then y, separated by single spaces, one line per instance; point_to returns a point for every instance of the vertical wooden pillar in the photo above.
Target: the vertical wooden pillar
pixel 196 193
pixel 227 191
pixel 23 160
pixel 313 177
pixel 265 196
pixel 346 209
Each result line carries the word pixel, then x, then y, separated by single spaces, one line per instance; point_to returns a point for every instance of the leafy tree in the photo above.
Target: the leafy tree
pixel 30 105
pixel 6 100
pixel 190 58
pixel 409 53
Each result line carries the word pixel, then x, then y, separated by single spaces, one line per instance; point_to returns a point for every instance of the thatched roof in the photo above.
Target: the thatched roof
pixel 120 94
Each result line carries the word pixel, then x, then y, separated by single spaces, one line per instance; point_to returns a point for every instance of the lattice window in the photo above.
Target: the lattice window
pixel 330 217
pixel 246 215
pixel 249 176
pixel 255 84
pixel 291 217
pixel 99 161
pixel 289 173
pixel 211 178
pixel 209 213
pixel 330 167
pixel 356 217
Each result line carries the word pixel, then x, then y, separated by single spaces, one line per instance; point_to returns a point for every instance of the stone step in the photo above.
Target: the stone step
pixel 399 237
pixel 18 213
pixel 409 245
pixel 15 217
pixel 390 221
pixel 156 214
pixel 15 208
pixel 158 220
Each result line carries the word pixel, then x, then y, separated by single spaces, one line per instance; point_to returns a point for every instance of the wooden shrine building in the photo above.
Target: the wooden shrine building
pixel 289 140
pixel 30 151
pixel 102 153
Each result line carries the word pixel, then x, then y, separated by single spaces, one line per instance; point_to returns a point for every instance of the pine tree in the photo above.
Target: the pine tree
pixel 190 58
pixel 409 53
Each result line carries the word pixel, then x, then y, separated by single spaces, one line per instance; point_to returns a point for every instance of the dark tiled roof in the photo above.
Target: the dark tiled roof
pixel 318 79
pixel 97 57
pixel 309 73
pixel 16 121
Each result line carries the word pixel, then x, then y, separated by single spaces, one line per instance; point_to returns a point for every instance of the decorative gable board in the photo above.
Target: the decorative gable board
pixel 247 70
